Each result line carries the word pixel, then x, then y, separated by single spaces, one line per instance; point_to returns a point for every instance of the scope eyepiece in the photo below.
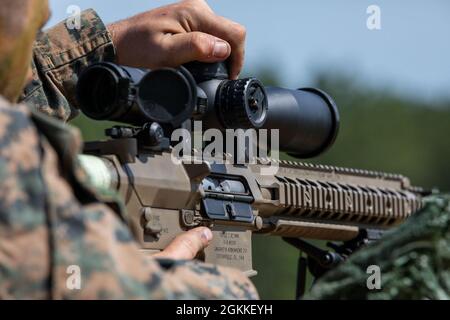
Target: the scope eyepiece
pixel 106 91
pixel 167 96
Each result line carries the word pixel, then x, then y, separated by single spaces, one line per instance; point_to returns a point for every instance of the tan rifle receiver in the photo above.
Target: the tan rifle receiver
pixel 301 201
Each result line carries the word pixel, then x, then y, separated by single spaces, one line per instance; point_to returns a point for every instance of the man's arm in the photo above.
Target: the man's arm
pixel 50 222
pixel 164 37
pixel 59 55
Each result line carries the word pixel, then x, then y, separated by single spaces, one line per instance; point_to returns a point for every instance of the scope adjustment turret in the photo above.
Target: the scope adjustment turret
pixel 243 103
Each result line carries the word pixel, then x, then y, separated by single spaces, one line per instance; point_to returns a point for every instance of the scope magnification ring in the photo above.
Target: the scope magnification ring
pixel 242 103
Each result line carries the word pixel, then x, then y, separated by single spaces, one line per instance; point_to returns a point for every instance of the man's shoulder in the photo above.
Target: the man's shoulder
pixel 7 105
pixel 14 118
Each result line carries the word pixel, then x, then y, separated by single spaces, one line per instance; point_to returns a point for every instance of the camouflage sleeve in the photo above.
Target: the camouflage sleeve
pixel 24 254
pixel 59 54
pixel 413 261
pixel 58 241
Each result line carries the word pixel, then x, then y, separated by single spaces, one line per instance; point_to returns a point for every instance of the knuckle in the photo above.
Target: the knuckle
pixel 194 8
pixel 200 44
pixel 184 10
pixel 241 32
pixel 190 8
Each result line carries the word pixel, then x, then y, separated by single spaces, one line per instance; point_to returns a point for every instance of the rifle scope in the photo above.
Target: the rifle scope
pixel 307 119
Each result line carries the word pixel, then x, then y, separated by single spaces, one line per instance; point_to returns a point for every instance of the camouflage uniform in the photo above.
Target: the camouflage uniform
pixel 50 219
pixel 414 261
pixel 59 55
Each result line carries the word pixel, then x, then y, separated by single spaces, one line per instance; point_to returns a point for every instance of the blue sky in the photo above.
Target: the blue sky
pixel 410 54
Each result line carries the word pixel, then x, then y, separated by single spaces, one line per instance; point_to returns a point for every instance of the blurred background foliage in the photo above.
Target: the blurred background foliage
pixel 380 130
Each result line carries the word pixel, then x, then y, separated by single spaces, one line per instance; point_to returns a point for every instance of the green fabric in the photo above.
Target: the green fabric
pixel 414 261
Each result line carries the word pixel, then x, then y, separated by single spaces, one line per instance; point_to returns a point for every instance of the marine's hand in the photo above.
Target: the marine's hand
pixel 179 33
pixel 186 245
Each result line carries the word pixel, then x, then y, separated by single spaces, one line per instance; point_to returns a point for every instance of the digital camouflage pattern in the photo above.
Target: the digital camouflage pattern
pixel 59 55
pixel 414 261
pixel 50 218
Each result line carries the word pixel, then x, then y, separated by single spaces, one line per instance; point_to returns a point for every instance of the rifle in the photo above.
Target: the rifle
pixel 167 194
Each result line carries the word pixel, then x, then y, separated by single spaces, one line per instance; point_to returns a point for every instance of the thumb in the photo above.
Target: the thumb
pixel 186 245
pixel 196 46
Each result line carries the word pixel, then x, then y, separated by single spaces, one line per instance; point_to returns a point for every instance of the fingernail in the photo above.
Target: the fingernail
pixel 220 49
pixel 207 234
